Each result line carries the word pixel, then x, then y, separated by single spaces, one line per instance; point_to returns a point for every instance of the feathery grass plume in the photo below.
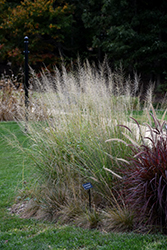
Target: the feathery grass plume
pixel 11 99
pixel 145 177
pixel 81 111
pixel 12 102
pixel 149 96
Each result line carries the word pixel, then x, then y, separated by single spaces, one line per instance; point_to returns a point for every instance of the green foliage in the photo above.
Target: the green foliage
pixel 131 32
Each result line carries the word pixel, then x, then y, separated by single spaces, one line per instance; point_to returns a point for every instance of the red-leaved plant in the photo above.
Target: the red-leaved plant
pixel 145 175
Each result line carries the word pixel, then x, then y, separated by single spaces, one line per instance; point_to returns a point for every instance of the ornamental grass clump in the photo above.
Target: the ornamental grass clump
pixel 11 99
pixel 68 145
pixel 144 180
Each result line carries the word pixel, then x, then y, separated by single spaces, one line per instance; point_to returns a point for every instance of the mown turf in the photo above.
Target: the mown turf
pixel 17 233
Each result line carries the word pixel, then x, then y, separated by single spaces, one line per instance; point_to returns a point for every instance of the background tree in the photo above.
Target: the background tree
pixel 46 23
pixel 132 32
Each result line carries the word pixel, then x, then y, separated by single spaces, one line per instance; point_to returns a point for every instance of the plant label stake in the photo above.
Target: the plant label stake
pixel 26 84
pixel 88 186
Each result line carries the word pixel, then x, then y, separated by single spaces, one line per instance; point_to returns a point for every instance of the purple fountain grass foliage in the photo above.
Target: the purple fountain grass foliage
pixel 145 176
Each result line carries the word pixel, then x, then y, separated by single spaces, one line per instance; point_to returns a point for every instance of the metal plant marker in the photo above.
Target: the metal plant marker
pixel 88 186
pixel 26 84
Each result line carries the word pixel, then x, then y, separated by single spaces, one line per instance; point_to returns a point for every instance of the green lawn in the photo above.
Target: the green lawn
pixel 16 233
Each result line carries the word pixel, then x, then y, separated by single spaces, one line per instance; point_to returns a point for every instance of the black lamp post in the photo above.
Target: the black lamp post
pixel 26 84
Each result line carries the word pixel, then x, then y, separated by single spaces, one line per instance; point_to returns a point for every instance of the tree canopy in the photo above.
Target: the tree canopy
pixel 132 33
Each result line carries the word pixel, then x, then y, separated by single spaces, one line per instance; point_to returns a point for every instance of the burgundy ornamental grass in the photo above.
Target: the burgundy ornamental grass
pixel 145 176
